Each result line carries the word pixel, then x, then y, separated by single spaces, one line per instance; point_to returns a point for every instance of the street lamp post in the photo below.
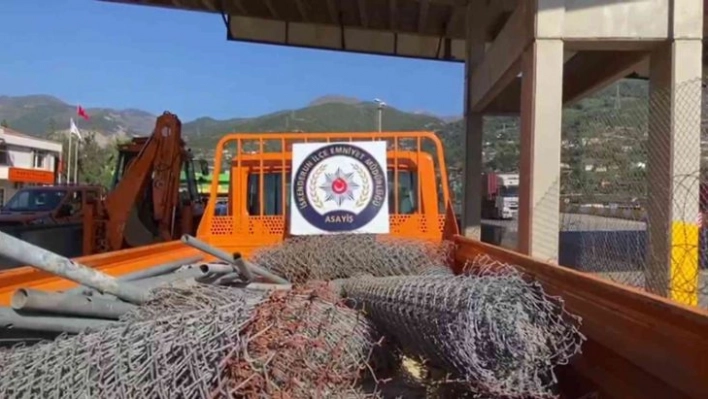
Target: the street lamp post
pixel 379 106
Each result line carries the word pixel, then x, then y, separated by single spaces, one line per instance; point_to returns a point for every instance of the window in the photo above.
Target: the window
pixel 38 159
pixel 4 156
pixel 75 200
pixel 509 191
pixel 188 188
pixel 407 192
pixel 2 197
pixel 35 200
pixel 272 194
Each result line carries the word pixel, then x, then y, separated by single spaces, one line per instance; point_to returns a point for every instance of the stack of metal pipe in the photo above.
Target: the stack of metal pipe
pixel 101 300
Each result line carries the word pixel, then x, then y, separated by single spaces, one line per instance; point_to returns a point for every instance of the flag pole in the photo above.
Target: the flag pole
pixel 68 163
pixel 76 161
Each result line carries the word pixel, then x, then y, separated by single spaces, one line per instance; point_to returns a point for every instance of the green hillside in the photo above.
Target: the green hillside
pixel 603 130
pixel 203 134
pixel 41 115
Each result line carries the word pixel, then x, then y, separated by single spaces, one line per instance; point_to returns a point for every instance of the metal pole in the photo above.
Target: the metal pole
pixel 68 161
pixel 380 116
pixel 50 262
pixel 217 253
pixel 243 267
pixel 153 271
pixel 27 299
pixel 76 162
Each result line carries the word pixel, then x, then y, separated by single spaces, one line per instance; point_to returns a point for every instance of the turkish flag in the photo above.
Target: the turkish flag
pixel 80 111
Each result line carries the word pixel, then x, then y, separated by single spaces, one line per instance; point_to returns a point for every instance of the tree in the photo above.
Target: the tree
pixel 4 123
pixel 95 163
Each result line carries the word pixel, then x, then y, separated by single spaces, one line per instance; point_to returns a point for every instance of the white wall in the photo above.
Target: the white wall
pixel 23 157
pixel 26 152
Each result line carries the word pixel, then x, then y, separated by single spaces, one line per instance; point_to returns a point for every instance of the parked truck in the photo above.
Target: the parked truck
pixel 500 195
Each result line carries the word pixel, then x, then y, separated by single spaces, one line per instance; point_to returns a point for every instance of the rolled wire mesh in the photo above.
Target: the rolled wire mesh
pixel 202 341
pixel 330 257
pixel 490 328
pixel 170 356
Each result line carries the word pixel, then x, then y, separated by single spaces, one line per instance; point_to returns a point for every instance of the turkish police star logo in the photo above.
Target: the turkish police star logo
pixel 340 187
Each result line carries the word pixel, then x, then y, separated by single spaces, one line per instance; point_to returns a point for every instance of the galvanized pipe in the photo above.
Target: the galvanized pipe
pixel 244 267
pixel 56 324
pixel 164 268
pixel 152 271
pixel 50 262
pixel 153 282
pixel 27 299
pixel 217 253
pixel 228 279
pixel 216 268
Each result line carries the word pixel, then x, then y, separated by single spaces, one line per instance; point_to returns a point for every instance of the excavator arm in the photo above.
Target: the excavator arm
pixel 155 169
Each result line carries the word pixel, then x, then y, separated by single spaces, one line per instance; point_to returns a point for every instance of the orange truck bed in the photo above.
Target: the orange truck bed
pixel 639 345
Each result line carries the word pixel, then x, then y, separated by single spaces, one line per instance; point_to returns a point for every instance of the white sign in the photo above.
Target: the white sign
pixel 339 188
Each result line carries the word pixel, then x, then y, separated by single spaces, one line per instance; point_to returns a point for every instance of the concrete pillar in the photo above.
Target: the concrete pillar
pixel 474 126
pixel 673 169
pixel 541 111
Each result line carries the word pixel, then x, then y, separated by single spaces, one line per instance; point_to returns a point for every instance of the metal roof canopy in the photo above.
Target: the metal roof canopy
pixel 425 29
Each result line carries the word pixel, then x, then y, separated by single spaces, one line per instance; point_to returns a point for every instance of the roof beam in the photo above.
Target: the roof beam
pixel 273 11
pixel 392 15
pixel 302 10
pixel 209 5
pixel 422 14
pixel 591 71
pixel 501 63
pixel 333 10
pixel 363 17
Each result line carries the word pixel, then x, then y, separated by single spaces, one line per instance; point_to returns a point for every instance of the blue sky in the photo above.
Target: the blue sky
pixel 115 55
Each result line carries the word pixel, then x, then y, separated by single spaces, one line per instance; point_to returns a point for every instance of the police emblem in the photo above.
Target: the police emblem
pixel 339 187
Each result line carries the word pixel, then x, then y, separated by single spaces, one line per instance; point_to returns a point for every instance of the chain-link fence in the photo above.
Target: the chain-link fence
pixel 630 189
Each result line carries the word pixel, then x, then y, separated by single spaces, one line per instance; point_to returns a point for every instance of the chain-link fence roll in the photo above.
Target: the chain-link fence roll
pixel 499 333
pixel 173 355
pixel 329 257
pixel 203 341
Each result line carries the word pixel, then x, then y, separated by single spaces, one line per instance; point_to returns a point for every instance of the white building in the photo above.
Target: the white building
pixel 26 160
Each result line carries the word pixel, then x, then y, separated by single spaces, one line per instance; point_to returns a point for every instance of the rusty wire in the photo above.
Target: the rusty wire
pixel 493 330
pixel 328 257
pixel 303 343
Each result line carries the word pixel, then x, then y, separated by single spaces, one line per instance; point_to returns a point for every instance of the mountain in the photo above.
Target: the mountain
pixel 333 98
pixel 41 114
pixel 204 133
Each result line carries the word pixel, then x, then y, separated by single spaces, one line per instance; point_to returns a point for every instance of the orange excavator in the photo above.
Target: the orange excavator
pixel 147 204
